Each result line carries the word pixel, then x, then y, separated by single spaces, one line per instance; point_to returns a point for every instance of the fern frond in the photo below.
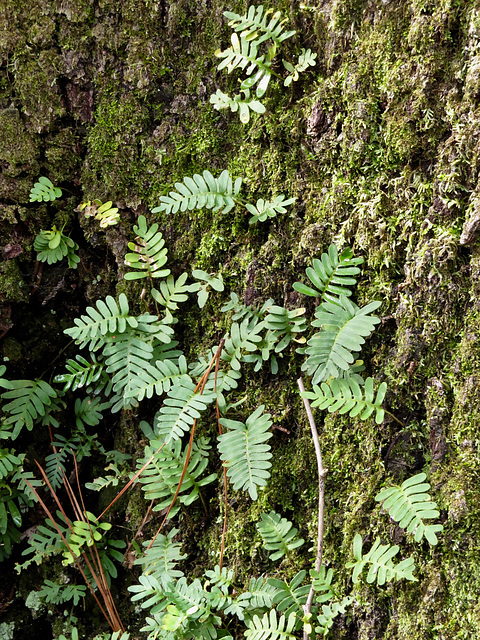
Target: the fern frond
pixel 149 252
pixel 172 292
pixel 55 593
pixel 278 535
pixel 332 275
pixel 52 246
pixel 286 325
pixel 243 337
pixel 4 383
pixel 156 379
pixel 89 411
pixel 322 582
pixel 84 533
pixel 81 372
pixel 44 191
pixel 343 329
pixel 162 476
pixel 269 628
pixel 305 59
pixel 180 410
pixel 380 560
pixel 55 467
pixel 9 463
pixel 347 396
pixel 161 558
pixel 265 209
pixel 105 213
pixel 44 541
pixel 108 317
pixel 409 505
pixel 329 613
pixel 244 451
pixel 28 402
pixel 290 597
pixel 243 54
pixel 257 21
pixel 202 191
pixel 238 103
pixel 259 594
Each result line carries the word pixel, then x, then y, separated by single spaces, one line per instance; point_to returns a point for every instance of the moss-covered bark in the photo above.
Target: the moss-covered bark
pixel 378 143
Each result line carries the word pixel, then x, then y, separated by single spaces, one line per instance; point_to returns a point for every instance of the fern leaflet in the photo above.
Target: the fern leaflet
pixel 265 209
pixel 347 396
pixel 28 402
pixel 269 628
pixel 202 191
pixel 243 105
pixel 244 451
pixel 410 505
pixel 149 253
pixel 81 373
pixel 278 535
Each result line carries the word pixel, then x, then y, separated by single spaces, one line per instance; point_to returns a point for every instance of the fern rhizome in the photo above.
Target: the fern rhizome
pixel 130 361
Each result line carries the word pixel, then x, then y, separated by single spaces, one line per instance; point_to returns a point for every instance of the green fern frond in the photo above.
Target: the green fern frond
pixel 286 325
pixel 162 476
pixel 409 505
pixel 332 275
pixel 380 560
pixel 54 593
pixel 52 246
pixel 84 533
pixel 202 290
pixel 105 213
pixel 278 535
pixel 290 598
pixel 108 317
pixel 305 59
pixel 55 467
pixel 156 379
pixel 81 373
pixel 238 103
pixel 347 396
pixel 28 402
pixel 180 409
pixel 259 594
pixel 9 463
pixel 257 21
pixel 202 191
pixel 329 613
pixel 89 411
pixel 244 451
pixel 343 329
pixel 243 337
pixel 265 209
pixel 44 191
pixel 243 54
pixel 172 292
pixel 322 582
pixel 4 383
pixel 149 253
pixel 269 628
pixel 44 541
pixel 160 560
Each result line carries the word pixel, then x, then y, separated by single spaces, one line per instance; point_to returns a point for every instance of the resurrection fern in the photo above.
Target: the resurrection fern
pixel 259 25
pixel 329 613
pixel 331 276
pixel 410 505
pixel 347 396
pixel 44 191
pixel 215 282
pixel 44 542
pixel 305 59
pixel 202 191
pixel 53 593
pixel 161 558
pixel 270 628
pixel 155 379
pixel 380 562
pixel 343 329
pixel 104 213
pixel 28 402
pixel 290 598
pixel 243 337
pixel 241 103
pixel 278 535
pixel 322 583
pixel 180 409
pixel 84 533
pixel 265 209
pixel 9 462
pixel 172 292
pixel 52 246
pixel 162 476
pixel 89 411
pixel 244 451
pixel 149 253
pixel 81 372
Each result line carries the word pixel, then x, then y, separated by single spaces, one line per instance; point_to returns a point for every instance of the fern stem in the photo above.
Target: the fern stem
pixel 307 607
pixel 395 418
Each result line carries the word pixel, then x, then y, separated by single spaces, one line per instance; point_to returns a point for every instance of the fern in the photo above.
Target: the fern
pixel 172 292
pixel 290 598
pixel 149 253
pixel 322 582
pixel 285 325
pixel 332 275
pixel 347 396
pixel 257 21
pixel 410 506
pixel 245 453
pixel 242 337
pixel 108 317
pixel 243 54
pixel 215 282
pixel 105 213
pixel 44 541
pixel 202 191
pixel 265 209
pixel 28 400
pixel 44 191
pixel 181 408
pixel 155 379
pixel 162 476
pixel 329 613
pixel 344 328
pixel 269 628
pixel 380 560
pixel 84 533
pixel 55 593
pixel 55 467
pixel 305 59
pixel 81 373
pixel 160 560
pixel 9 463
pixel 278 535
pixel 238 103
pixel 52 246
pixel 259 595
